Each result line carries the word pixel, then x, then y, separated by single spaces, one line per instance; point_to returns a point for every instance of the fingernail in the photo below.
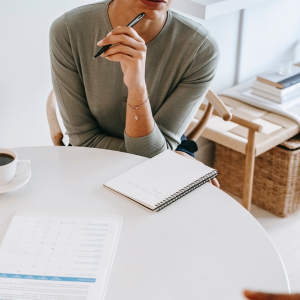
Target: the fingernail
pixel 249 293
pixel 99 42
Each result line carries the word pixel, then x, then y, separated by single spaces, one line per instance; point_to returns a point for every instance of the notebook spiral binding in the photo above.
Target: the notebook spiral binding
pixel 186 190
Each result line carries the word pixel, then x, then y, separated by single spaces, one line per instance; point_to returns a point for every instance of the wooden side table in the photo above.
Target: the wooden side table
pixel 251 131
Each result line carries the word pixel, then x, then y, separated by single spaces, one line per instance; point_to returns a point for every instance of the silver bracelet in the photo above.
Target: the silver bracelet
pixel 136 107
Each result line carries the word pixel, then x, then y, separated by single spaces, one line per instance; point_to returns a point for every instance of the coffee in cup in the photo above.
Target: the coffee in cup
pixel 8 165
pixel 5 159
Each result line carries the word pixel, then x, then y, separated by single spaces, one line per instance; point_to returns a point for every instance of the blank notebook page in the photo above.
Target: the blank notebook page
pixel 158 178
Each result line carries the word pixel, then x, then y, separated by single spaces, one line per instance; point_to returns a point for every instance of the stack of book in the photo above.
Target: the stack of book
pixel 278 88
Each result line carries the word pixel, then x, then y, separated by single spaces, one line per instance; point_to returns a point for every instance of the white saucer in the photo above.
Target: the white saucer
pixel 16 182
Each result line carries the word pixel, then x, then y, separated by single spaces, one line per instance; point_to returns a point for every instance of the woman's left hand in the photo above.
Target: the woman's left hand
pixel 130 50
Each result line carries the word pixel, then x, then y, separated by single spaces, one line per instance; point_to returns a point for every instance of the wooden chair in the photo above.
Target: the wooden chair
pixel 250 154
pixel 215 106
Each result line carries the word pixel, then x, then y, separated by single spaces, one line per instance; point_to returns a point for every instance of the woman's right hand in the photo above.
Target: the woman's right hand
pixel 130 50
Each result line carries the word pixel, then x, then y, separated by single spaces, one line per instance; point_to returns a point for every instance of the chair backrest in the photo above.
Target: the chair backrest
pixel 55 130
pixel 213 102
pixel 219 105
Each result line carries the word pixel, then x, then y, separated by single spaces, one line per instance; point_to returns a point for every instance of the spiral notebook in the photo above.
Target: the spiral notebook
pixel 161 180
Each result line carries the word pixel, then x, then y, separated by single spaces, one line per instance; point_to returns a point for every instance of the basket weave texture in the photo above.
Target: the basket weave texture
pixel 276 183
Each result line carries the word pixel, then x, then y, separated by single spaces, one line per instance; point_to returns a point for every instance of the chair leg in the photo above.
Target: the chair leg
pixel 249 170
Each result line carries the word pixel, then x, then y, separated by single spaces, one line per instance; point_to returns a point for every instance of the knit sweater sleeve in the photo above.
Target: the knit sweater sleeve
pixel 82 128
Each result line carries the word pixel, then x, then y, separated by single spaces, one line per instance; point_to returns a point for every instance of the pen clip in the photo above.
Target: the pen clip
pixel 136 20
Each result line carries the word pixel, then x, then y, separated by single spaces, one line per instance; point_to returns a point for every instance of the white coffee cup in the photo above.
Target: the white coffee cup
pixel 8 172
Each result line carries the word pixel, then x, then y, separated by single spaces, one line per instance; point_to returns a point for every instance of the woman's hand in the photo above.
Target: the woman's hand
pixel 130 50
pixel 214 181
pixel 264 296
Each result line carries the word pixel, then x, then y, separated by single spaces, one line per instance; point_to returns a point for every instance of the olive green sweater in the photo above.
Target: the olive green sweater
pixel 180 65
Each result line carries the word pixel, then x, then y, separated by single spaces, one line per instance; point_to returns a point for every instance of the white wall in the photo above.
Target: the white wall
pixel 25 80
pixel 270 30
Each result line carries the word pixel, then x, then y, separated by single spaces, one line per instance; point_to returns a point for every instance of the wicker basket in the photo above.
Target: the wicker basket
pixel 276 184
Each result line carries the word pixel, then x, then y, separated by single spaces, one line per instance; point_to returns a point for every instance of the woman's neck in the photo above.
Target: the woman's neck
pixel 147 29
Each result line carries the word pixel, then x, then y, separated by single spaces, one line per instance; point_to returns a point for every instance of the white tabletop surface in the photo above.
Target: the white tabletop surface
pixel 204 246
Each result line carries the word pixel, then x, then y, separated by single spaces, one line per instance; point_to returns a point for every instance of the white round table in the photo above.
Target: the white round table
pixel 203 246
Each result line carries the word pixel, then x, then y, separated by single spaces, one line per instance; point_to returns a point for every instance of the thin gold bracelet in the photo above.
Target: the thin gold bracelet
pixel 136 107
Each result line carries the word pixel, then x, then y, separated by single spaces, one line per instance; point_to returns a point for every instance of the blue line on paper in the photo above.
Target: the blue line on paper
pixel 51 278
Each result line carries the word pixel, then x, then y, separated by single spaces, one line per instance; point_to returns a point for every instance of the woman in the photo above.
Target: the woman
pixel 141 95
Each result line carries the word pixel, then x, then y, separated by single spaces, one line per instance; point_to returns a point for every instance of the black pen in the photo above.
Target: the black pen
pixel 131 24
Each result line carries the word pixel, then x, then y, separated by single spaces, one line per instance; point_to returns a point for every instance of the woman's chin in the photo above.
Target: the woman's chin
pixel 156 7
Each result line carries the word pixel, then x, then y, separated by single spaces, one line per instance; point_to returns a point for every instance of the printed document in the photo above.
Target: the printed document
pixel 45 257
